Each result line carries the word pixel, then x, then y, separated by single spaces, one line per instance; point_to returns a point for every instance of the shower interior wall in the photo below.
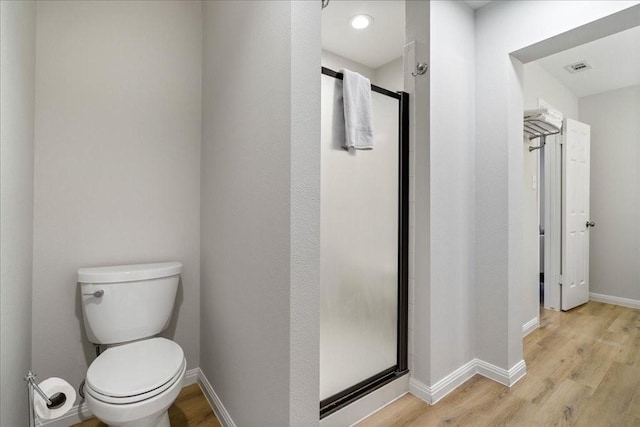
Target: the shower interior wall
pixel 389 76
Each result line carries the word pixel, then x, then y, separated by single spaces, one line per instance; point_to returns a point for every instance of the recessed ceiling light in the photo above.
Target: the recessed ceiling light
pixel 360 22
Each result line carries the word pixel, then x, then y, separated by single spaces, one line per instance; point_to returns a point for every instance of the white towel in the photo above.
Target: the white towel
pixel 358 120
pixel 542 119
pixel 546 111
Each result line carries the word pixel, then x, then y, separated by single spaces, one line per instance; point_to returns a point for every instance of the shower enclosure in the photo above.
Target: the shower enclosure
pixel 364 244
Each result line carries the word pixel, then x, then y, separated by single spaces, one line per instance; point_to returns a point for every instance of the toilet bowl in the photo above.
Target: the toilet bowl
pixel 138 377
pixel 135 384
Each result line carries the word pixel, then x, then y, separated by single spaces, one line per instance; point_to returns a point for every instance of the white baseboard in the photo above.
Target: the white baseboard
pixel 500 375
pixel 432 394
pixel 608 299
pixel 191 376
pixel 530 326
pixel 218 408
pixel 354 412
pixel 79 413
pixel 517 372
pixel 367 405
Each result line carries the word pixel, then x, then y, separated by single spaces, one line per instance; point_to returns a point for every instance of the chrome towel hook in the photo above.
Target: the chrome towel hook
pixel 421 68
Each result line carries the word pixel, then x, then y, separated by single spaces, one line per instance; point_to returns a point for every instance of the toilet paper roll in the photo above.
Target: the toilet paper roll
pixel 51 386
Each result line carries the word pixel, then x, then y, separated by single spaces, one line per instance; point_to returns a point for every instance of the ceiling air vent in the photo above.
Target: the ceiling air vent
pixel 578 66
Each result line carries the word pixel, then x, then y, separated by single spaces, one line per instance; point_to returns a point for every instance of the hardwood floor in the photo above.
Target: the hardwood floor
pixel 190 409
pixel 583 369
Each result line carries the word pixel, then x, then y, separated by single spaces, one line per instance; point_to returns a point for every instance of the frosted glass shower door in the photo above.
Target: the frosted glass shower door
pixel 359 246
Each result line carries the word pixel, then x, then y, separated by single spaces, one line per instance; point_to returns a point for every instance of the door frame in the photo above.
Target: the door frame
pixel 553 222
pixel 552 217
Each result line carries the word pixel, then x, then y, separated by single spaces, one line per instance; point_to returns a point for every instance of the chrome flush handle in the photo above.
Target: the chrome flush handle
pixel 97 294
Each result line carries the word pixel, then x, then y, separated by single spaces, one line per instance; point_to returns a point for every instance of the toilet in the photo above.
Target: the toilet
pixel 138 377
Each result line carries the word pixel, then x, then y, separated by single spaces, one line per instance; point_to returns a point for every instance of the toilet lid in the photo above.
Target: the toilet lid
pixel 135 368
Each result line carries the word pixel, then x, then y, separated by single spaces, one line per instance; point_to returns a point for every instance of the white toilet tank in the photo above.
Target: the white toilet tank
pixel 128 302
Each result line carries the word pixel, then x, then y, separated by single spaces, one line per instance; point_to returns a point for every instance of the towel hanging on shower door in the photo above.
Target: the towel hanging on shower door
pixel 358 117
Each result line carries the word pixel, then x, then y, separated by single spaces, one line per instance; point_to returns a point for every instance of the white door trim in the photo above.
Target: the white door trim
pixel 552 221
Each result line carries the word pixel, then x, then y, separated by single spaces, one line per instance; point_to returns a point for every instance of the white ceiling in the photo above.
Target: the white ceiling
pixel 374 46
pixel 615 61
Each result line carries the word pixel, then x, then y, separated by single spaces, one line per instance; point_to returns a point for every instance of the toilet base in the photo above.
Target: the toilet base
pixel 161 421
pixel 164 420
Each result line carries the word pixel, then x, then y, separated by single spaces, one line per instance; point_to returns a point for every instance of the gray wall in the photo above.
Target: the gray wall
pixel 117 162
pixel 452 145
pixel 417 16
pixel 304 301
pixel 17 74
pixel 260 207
pixel 614 247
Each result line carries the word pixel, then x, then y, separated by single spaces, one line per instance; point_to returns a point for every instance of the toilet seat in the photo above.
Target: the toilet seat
pixel 136 371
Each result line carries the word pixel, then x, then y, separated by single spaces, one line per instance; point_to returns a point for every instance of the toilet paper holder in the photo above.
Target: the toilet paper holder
pixel 52 402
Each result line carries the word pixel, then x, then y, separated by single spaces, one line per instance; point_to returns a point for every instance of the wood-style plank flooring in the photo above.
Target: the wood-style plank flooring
pixel 583 369
pixel 190 409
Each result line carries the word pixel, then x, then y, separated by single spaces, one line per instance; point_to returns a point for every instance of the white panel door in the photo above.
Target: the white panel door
pixel 575 214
